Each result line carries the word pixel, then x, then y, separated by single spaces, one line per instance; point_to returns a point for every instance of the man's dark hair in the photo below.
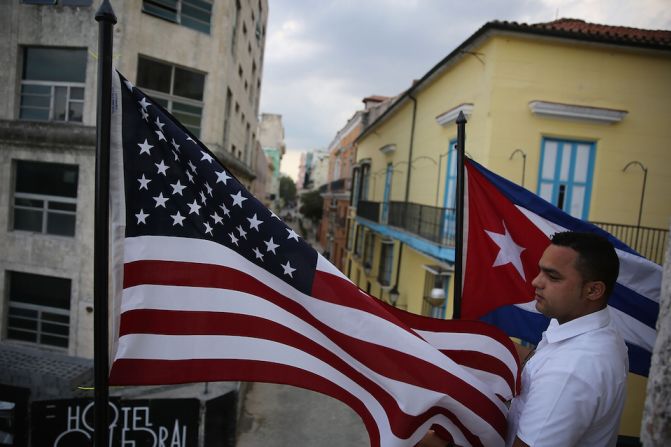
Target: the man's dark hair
pixel 597 260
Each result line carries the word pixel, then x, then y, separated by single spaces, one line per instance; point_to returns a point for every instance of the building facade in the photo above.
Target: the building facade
pixel 336 192
pixel 271 137
pixel 202 61
pixel 573 111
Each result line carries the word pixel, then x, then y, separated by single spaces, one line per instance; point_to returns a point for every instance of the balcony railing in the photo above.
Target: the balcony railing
pixel 649 242
pixel 438 225
pixel 430 222
pixel 339 185
pixel 368 210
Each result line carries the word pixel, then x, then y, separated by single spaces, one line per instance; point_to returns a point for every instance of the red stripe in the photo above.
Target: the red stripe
pixel 207 323
pixel 158 372
pixel 328 284
pixel 388 362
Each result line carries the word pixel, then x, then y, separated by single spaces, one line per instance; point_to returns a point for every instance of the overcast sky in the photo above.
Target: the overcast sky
pixel 323 57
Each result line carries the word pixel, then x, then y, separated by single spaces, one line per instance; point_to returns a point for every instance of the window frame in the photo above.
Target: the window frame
pixel 53 87
pixel 171 98
pixel 386 264
pixel 41 315
pixel 46 210
pixel 570 183
pixel 155 7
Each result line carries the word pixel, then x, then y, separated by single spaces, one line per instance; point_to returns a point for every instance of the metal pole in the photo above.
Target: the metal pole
pixel 459 237
pixel 524 161
pixel 106 20
pixel 640 206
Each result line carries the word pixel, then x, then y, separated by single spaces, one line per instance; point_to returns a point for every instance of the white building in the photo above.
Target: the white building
pixel 201 59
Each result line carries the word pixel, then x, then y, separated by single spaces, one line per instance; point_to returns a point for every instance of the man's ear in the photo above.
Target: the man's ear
pixel 595 290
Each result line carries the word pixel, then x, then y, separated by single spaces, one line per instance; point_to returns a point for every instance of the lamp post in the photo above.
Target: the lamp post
pixel 524 161
pixel 640 207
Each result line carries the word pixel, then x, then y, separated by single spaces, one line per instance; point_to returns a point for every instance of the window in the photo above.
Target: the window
pixel 227 117
pixel 39 309
pixel 566 175
pixel 386 260
pixel 449 198
pixel 177 89
pixel 350 234
pixel 45 197
pixel 234 30
pixel 194 14
pixel 365 177
pixel 52 86
pixel 358 241
pixel 369 250
pixel 387 192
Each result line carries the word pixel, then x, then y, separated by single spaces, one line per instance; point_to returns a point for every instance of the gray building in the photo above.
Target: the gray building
pixel 201 59
pixel 271 137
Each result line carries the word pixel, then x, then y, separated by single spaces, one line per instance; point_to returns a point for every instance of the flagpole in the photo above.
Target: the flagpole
pixel 106 20
pixel 459 230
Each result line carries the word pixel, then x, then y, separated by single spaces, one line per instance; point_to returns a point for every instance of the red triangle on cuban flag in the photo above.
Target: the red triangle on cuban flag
pixel 501 246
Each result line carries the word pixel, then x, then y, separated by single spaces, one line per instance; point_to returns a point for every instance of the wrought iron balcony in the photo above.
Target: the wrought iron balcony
pixel 368 210
pixel 438 225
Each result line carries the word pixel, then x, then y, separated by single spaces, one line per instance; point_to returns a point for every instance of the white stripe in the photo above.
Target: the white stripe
pixel 325 266
pixel 632 330
pixel 477 343
pixel 636 273
pixel 470 342
pixel 411 399
pixel 168 347
pixel 344 319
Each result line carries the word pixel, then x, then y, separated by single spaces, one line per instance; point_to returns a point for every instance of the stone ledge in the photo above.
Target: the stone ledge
pixel 48 134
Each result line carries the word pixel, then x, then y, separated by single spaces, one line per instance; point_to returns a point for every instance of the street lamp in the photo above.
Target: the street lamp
pixel 393 296
pixel 640 207
pixel 524 161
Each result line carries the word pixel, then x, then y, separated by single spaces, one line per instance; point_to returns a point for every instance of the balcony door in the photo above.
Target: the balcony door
pixel 566 173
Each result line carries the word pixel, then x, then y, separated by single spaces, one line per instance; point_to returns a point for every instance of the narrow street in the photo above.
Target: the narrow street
pixel 282 416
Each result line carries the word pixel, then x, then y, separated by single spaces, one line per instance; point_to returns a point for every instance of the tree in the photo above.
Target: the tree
pixel 311 205
pixel 287 189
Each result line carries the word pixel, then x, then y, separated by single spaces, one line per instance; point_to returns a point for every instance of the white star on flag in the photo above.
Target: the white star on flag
pixel 288 270
pixel 129 84
pixel 177 219
pixel 159 124
pixel 144 182
pixel 141 217
pixel 233 238
pixel 223 177
pixel 217 218
pixel 145 115
pixel 206 156
pixel 243 233
pixel 238 199
pixel 208 228
pixel 144 147
pixel 144 103
pixel 509 251
pixel 160 200
pixel 177 187
pixel 193 207
pixel 226 211
pixel 160 135
pixel 254 222
pixel 162 167
pixel 174 144
pixel 258 254
pixel 292 234
pixel 271 245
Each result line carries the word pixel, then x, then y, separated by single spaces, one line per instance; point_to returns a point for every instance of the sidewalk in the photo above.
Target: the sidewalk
pixel 281 415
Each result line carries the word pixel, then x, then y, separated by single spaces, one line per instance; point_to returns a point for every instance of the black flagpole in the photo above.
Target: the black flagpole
pixel 459 230
pixel 106 20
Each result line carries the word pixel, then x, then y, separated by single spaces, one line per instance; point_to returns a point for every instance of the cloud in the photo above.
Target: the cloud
pixel 323 58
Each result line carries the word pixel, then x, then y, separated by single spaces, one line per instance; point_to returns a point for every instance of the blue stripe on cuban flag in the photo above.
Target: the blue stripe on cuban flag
pixel 634 304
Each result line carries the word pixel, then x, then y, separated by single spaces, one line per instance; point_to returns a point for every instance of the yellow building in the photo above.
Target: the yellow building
pixel 561 108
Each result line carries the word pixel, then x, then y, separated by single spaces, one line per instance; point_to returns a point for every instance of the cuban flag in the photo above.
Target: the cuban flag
pixel 507 228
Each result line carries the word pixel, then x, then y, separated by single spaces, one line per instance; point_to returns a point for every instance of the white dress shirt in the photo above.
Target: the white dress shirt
pixel 573 388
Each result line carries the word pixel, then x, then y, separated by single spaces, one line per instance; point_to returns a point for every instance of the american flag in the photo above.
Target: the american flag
pixel 210 285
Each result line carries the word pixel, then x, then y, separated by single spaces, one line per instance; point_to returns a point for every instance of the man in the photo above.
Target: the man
pixel 574 383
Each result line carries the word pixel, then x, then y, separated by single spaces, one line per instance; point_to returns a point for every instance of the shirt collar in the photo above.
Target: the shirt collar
pixel 559 332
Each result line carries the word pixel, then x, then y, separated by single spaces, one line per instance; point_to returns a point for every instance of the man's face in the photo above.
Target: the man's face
pixel 560 289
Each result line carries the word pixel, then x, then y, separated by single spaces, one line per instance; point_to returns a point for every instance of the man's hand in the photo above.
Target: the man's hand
pixel 431 439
